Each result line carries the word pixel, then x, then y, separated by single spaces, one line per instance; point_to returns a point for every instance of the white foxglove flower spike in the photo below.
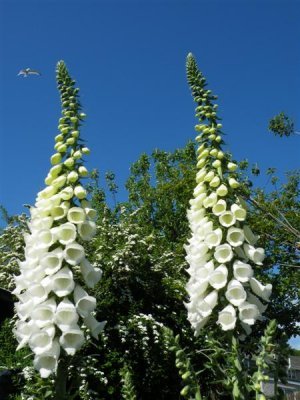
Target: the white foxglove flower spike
pixel 220 237
pixel 50 309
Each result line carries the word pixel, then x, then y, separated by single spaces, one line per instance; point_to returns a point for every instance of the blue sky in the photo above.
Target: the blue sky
pixel 128 58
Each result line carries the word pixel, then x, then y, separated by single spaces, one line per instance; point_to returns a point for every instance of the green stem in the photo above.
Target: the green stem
pixel 60 388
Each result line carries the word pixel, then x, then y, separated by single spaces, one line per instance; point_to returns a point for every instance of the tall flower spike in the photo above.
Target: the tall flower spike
pixel 220 236
pixel 50 319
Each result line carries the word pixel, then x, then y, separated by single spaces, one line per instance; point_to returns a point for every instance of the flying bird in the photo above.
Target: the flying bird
pixel 28 71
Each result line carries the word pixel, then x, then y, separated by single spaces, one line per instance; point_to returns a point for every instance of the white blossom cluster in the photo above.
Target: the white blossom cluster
pixel 221 252
pixel 52 307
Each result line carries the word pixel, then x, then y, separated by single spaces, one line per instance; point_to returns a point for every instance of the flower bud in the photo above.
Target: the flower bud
pixel 80 192
pixel 233 183
pixel 83 171
pixel 75 134
pixel 56 158
pixel 62 148
pixel 72 177
pixel 222 190
pixel 231 166
pixel 69 162
pixel 85 150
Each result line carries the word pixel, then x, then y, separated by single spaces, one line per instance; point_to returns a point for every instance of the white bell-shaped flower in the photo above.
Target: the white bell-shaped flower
pixel 74 253
pixel 52 261
pixel 84 303
pixel 218 277
pixel 255 300
pixel 60 211
pixel 249 235
pixel 235 236
pixel 24 309
pixel 239 212
pixel 61 283
pixel 45 239
pixel 46 363
pixel 40 224
pixel 227 318
pixel 222 190
pixel 43 314
pixel 213 238
pixel 256 255
pixel 206 306
pixel 87 230
pixel 72 340
pixel 227 219
pixel 200 188
pixel 41 342
pixel 248 313
pixel 264 292
pixel 66 315
pixel 35 275
pixel 219 208
pixel 235 292
pixel 196 288
pixel 242 271
pixel 23 331
pixel 90 274
pixel 210 200
pixel 66 233
pixel 94 326
pixel 37 293
pixel 76 215
pixel 223 253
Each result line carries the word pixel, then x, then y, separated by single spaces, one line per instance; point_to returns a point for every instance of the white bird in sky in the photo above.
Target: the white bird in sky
pixel 28 71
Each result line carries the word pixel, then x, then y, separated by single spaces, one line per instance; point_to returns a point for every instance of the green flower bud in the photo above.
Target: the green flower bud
pixel 185 391
pixel 214 182
pixel 216 164
pixel 62 148
pixel 199 128
pixel 220 155
pixel 83 171
pixel 59 138
pixel 69 162
pixel 206 130
pixel 80 192
pixel 82 115
pixel 49 179
pixel 56 158
pixel 54 171
pixel 201 163
pixel 218 139
pixel 232 166
pixel 85 150
pixel 70 141
pixel 74 119
pixel 233 183
pixel 65 104
pixel 75 134
pixel 67 193
pixel 72 177
pixel 222 190
pixel 219 126
pixel 64 130
pixel 59 181
pixel 214 152
pixel 212 130
pixel 77 154
pixel 186 375
pixel 212 137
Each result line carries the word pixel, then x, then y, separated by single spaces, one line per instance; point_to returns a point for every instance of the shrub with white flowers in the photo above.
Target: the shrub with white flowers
pixel 53 309
pixel 221 252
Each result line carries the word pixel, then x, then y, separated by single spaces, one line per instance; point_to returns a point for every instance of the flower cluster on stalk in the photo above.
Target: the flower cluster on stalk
pixel 52 307
pixel 221 252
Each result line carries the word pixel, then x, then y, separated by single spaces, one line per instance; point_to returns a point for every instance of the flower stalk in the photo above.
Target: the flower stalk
pixel 53 309
pixel 221 252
